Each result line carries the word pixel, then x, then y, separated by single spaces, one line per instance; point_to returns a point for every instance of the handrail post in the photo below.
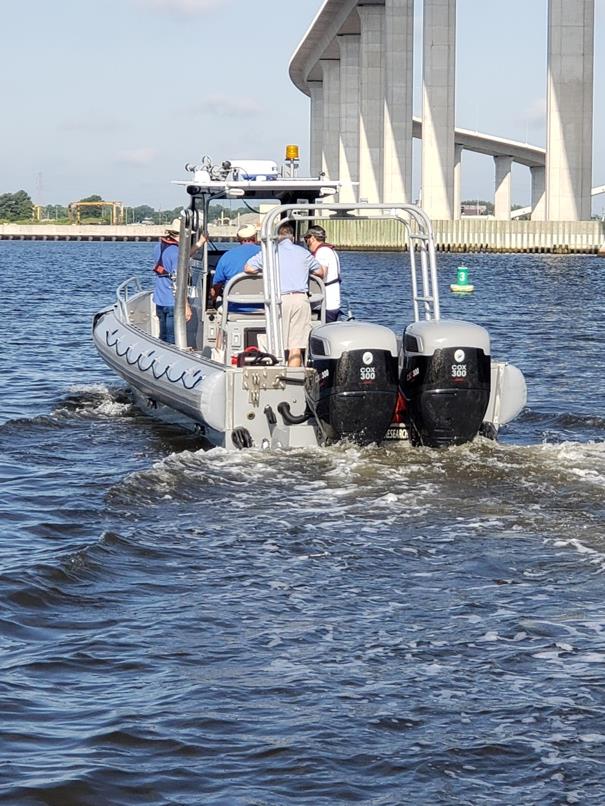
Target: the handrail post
pixel 182 282
pixel 271 284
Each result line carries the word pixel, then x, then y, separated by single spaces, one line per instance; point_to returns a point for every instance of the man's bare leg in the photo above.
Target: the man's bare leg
pixel 294 357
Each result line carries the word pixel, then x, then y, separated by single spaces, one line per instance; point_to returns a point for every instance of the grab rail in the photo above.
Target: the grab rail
pixel 122 296
pixel 419 232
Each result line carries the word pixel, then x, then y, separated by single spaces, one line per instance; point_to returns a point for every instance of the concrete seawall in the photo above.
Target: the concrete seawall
pixel 477 235
pixel 97 232
pixel 463 235
pixel 80 232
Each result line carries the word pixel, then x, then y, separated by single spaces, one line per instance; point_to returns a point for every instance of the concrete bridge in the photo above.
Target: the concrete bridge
pixel 356 64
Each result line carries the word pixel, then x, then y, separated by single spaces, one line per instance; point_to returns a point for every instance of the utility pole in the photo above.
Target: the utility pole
pixel 39 188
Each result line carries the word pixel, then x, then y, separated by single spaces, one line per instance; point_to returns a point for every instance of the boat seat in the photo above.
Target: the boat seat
pixel 244 289
pixel 241 330
pixel 247 289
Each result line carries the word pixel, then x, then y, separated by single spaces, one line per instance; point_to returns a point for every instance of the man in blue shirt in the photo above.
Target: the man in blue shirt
pixel 295 266
pixel 232 262
pixel 166 258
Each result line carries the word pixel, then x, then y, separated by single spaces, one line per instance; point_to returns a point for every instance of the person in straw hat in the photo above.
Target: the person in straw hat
pixel 166 257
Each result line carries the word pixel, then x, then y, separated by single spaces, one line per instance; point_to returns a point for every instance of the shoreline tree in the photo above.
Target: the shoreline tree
pixel 16 206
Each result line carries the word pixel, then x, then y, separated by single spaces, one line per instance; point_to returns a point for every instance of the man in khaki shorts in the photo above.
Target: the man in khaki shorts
pixel 295 266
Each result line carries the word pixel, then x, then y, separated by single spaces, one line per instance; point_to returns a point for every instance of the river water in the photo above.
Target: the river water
pixel 329 626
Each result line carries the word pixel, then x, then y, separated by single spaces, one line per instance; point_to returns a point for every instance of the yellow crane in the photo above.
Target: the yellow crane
pixel 116 209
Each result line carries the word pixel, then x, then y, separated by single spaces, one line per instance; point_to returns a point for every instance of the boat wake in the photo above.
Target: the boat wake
pixel 95 400
pixel 364 468
pixel 478 490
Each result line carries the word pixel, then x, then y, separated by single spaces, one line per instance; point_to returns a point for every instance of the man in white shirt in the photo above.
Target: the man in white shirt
pixel 315 238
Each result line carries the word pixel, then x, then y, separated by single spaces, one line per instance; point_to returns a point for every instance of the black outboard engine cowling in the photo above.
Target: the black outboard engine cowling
pixel 357 372
pixel 445 378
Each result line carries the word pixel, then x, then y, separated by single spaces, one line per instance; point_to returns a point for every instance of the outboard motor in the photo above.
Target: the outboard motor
pixel 356 392
pixel 445 378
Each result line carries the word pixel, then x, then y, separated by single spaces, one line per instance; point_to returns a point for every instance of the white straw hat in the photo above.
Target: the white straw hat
pixel 174 226
pixel 246 231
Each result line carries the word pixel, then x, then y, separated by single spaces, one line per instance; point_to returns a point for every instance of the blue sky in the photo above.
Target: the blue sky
pixel 114 97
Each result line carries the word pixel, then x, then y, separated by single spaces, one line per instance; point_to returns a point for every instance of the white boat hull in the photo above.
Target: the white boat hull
pixel 190 390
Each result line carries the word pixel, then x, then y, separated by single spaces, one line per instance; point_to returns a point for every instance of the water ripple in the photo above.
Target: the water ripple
pixel 326 626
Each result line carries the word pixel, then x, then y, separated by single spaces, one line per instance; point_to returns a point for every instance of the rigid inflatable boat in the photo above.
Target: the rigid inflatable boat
pixel 226 376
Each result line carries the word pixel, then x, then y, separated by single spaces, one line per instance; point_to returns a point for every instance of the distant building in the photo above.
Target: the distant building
pixel 472 208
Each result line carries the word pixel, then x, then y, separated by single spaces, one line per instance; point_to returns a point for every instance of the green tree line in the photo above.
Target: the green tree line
pixel 19 206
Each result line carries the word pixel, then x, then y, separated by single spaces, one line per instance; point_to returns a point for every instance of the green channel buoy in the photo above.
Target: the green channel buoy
pixel 462 285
